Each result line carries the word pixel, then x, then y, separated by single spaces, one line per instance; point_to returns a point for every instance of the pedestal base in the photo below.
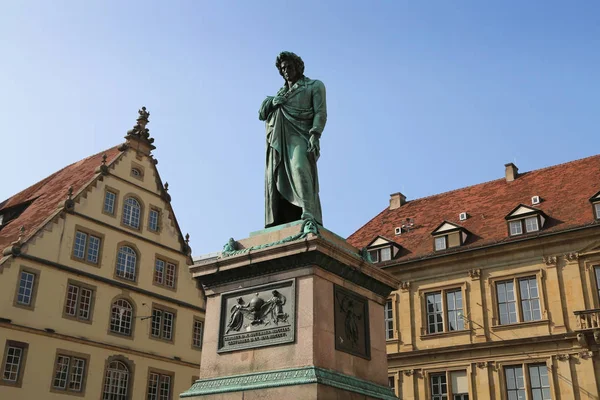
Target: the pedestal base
pixel 292 383
pixel 296 313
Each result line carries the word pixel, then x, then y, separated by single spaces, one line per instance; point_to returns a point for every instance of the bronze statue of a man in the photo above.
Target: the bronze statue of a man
pixel 295 119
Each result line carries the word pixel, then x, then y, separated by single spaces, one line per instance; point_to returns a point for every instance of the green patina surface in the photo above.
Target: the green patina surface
pixel 276 228
pixel 288 377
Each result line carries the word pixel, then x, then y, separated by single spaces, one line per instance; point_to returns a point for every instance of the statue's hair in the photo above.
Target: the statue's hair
pixel 288 55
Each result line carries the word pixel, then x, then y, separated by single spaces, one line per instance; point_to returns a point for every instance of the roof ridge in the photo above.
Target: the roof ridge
pixel 500 179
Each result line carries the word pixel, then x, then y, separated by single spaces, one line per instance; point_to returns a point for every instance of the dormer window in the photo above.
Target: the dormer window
pixel 448 235
pixel 524 219
pixel 595 200
pixel 440 243
pixel 382 249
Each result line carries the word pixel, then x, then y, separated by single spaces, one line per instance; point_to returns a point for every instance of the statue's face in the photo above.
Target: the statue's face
pixel 289 71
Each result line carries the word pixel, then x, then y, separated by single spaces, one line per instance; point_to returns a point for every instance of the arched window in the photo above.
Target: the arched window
pixel 132 212
pixel 121 316
pixel 126 262
pixel 116 381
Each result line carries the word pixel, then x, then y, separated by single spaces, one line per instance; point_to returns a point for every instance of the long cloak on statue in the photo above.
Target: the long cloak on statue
pixel 291 171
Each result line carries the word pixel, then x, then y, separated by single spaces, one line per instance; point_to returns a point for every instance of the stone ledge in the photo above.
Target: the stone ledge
pixel 288 377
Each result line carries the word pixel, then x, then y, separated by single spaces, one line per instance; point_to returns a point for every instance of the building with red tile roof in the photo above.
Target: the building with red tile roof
pixel 500 292
pixel 94 282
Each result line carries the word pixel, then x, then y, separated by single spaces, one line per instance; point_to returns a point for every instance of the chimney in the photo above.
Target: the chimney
pixel 511 172
pixel 397 200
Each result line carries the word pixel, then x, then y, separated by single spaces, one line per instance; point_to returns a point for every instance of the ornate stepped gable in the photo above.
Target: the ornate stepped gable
pixel 566 190
pixel 33 208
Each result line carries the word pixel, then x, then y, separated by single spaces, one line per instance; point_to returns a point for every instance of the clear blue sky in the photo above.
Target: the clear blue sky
pixel 423 97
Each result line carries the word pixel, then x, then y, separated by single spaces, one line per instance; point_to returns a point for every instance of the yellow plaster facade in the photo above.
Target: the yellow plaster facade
pixel 47 338
pixel 564 339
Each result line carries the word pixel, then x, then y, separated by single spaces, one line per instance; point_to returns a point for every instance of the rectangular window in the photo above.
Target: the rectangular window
pixel 153 220
pixel 439 387
pixel 530 299
pixel 540 385
pixel 164 273
pixel 197 333
pixel 392 383
pixel 109 202
pixel 515 228
pixel 69 373
pixel 444 311
pixel 93 249
pixel 531 224
pixel 597 210
pixel 386 254
pixel 162 324
pixel 435 323
pixel 26 287
pixel 80 244
pixel 13 363
pixel 454 306
pixel 440 243
pixel 374 255
pixel 507 307
pixel 389 320
pixel 381 254
pixel 528 293
pixel 170 275
pixel 79 302
pixel 159 386
pixel 86 247
pixel 515 383
pixel 159 271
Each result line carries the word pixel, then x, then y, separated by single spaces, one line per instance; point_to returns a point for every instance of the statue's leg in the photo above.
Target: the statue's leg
pixel 286 211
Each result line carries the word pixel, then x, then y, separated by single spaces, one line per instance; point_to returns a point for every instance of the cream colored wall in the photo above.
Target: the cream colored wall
pixel 55 244
pixel 50 303
pixel 567 285
pixel 39 366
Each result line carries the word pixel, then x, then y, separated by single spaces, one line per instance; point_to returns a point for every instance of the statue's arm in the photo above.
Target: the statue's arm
pixel 319 104
pixel 266 108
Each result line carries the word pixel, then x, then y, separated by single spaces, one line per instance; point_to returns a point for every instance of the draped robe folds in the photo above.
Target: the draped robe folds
pixel 291 171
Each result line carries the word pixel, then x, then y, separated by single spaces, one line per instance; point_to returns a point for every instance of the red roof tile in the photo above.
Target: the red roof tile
pixel 565 190
pixel 48 193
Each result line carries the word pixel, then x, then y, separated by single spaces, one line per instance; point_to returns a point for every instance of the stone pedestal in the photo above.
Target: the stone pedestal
pixel 293 312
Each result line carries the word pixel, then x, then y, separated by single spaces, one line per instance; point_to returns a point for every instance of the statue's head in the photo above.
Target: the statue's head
pixel 290 66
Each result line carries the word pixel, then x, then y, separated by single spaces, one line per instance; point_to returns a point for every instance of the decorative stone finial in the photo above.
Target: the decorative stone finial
pixel 69 205
pixel 187 238
pixel 166 194
pixel 140 134
pixel 103 167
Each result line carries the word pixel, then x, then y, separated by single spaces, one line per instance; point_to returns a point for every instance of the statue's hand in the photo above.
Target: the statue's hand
pixel 278 100
pixel 313 144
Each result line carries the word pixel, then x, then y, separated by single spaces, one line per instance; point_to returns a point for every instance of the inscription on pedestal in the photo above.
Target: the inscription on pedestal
pixel 258 316
pixel 351 318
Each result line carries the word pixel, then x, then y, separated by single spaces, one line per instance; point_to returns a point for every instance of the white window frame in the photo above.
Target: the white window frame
pixel 121 317
pixel 440 243
pixel 132 212
pixel 597 210
pixel 388 318
pixel 516 279
pixel 110 201
pixel 117 381
pixel 123 267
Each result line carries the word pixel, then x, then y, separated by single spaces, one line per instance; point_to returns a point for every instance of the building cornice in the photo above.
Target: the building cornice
pixel 482 251
pixel 95 343
pixel 110 281
pixel 483 346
